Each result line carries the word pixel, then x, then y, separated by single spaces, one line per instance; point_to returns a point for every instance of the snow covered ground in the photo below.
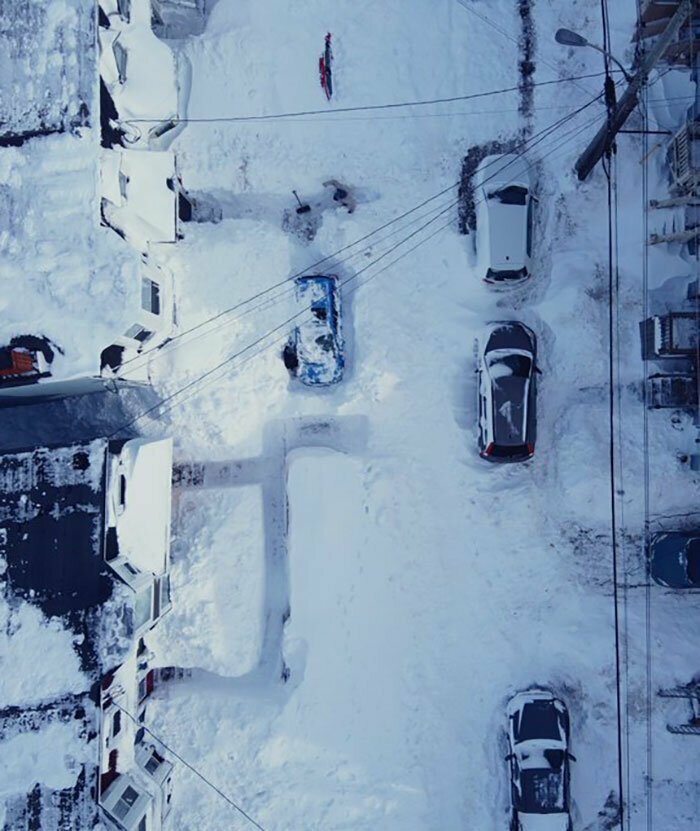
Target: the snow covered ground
pixel 359 598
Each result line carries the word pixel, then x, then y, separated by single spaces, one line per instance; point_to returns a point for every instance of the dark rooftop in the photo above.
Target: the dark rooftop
pixel 53 94
pixel 44 808
pixel 52 514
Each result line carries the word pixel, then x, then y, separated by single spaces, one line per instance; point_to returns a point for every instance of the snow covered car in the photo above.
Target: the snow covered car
pixel 507 393
pixel 314 351
pixel 674 559
pixel 504 219
pixel 538 737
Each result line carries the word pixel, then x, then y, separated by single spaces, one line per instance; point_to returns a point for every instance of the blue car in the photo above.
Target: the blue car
pixel 314 351
pixel 674 559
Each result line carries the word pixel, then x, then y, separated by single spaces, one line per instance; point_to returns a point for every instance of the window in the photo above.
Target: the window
pixel 142 608
pixel 122 490
pixel 125 802
pixel 152 765
pixel 150 296
pixel 138 333
pixel 142 824
pixel 116 723
pixel 120 60
pixel 510 195
pixel 154 762
pixel 529 226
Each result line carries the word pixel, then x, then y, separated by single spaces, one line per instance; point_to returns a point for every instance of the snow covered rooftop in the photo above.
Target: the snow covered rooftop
pixel 75 279
pixel 140 195
pixel 143 525
pixel 138 68
pixel 52 510
pixel 48 765
pixel 47 66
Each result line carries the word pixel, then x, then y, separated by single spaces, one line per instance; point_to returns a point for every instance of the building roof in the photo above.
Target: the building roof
pixel 53 94
pixel 139 190
pixel 51 781
pixel 143 527
pixel 52 513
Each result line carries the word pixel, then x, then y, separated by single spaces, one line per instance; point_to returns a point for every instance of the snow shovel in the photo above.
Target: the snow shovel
pixel 302 209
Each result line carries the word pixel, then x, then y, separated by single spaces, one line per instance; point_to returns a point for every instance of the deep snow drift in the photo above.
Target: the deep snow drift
pixel 356 594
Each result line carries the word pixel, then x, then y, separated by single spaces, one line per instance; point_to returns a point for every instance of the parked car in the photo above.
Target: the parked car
pixel 674 559
pixel 504 219
pixel 507 393
pixel 538 737
pixel 314 352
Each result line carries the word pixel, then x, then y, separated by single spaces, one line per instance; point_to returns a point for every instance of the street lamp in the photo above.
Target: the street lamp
pixel 568 38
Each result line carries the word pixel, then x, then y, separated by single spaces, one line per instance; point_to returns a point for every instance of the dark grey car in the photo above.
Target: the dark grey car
pixel 507 393
pixel 674 559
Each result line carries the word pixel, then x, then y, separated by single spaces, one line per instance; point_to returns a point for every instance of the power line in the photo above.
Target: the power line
pixel 279 341
pixel 363 108
pixel 211 372
pixel 267 334
pixel 533 141
pixel 191 767
pixel 645 444
pixel 286 285
pixel 612 299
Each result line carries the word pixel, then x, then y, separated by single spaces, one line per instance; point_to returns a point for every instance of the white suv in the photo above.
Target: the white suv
pixel 504 219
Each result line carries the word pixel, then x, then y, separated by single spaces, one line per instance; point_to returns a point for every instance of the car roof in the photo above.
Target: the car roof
pixel 507 224
pixel 507 232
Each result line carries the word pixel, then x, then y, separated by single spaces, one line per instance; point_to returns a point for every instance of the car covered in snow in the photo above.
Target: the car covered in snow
pixel 314 352
pixel 504 219
pixel 674 559
pixel 538 738
pixel 507 368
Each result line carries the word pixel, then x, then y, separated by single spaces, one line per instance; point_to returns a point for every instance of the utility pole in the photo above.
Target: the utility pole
pixel 604 138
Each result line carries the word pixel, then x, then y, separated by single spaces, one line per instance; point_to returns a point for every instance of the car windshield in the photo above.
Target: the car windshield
pixel 504 366
pixel 539 720
pixel 510 195
pixel 541 791
pixel 693 557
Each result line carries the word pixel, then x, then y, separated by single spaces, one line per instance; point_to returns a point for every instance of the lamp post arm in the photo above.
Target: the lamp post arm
pixel 600 49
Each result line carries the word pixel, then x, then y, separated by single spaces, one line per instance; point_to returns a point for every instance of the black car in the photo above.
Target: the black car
pixel 674 559
pixel 507 393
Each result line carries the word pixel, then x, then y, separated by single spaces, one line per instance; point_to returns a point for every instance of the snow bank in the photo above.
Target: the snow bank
pixel 37 657
pixel 143 528
pixel 24 760
pixel 217 583
pixel 76 281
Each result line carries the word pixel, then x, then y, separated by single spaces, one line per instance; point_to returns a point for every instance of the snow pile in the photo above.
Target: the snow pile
pixel 25 760
pixel 143 524
pixel 76 280
pixel 47 65
pixel 38 660
pixel 423 587
pixel 217 584
pixel 143 82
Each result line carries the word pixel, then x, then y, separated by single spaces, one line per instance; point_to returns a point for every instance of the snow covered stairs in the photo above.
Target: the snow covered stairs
pixel 218 474
pixel 692 693
pixel 675 220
